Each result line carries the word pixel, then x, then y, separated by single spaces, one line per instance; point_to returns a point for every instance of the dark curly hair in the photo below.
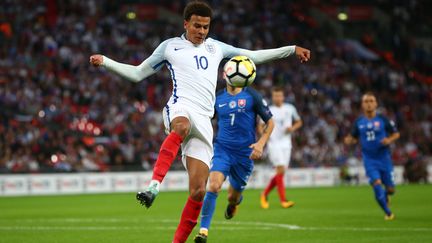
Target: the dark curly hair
pixel 198 8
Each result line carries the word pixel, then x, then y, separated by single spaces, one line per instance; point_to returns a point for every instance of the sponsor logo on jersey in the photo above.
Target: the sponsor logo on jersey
pixel 264 102
pixel 210 48
pixel 241 103
pixel 232 104
pixel 178 48
pixel 222 105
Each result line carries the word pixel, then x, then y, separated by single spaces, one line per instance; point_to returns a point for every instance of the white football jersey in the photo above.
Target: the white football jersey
pixel 193 68
pixel 283 117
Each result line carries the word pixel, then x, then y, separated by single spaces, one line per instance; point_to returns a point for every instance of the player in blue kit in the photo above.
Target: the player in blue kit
pixel 235 148
pixel 193 61
pixel 375 134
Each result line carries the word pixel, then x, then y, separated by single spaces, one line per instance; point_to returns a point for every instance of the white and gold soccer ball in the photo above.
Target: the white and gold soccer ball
pixel 240 71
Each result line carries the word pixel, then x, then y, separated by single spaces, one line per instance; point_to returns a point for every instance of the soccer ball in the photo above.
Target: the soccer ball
pixel 239 71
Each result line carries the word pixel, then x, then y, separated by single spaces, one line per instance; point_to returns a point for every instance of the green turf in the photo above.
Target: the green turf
pixel 339 214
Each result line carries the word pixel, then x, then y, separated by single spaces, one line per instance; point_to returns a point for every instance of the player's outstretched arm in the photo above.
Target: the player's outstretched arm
pixel 131 72
pixel 266 55
pixel 258 147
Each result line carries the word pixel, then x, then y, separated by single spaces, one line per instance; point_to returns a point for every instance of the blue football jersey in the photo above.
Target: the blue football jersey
pixel 237 118
pixel 370 133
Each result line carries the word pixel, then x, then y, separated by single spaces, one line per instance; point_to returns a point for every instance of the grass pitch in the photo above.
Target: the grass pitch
pixel 338 214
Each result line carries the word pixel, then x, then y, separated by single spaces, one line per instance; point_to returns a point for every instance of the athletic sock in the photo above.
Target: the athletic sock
pixel 188 220
pixel 208 209
pixel 270 186
pixel 154 186
pixel 381 198
pixel 167 154
pixel 281 187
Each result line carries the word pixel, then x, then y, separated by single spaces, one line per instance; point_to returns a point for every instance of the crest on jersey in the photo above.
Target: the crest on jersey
pixel 376 124
pixel 232 104
pixel 210 48
pixel 241 103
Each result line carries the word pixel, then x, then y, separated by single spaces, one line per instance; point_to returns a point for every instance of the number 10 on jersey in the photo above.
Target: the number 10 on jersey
pixel 201 62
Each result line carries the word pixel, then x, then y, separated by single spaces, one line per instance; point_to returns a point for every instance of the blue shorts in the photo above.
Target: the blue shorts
pixel 380 170
pixel 234 165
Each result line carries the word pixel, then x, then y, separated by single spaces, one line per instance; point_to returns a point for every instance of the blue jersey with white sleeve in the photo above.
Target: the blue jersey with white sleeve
pixel 237 118
pixel 370 133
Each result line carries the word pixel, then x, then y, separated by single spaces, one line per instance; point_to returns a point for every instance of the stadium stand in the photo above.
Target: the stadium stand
pixel 59 114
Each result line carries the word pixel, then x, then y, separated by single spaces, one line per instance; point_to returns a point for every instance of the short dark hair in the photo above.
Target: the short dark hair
pixel 278 89
pixel 198 8
pixel 369 93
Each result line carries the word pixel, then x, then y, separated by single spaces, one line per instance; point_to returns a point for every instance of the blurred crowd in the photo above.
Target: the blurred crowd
pixel 57 113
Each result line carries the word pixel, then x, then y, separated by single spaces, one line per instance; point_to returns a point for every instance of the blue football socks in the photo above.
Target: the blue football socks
pixel 380 196
pixel 208 209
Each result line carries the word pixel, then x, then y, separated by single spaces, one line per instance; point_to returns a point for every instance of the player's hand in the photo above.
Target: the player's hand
pixel 302 53
pixel 257 151
pixel 289 130
pixel 349 140
pixel 96 60
pixel 385 141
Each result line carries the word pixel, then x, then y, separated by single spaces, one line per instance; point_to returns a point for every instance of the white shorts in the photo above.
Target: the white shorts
pixel 199 143
pixel 279 155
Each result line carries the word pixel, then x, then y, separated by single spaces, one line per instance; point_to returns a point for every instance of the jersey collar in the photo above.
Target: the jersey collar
pixel 226 91
pixel 183 37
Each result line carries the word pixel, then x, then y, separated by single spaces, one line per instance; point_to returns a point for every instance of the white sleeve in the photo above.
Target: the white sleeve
pixel 137 73
pixel 258 56
pixel 295 114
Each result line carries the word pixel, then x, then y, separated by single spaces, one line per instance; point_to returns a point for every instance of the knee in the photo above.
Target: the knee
pixel 181 127
pixel 280 170
pixel 376 182
pixel 215 187
pixel 197 193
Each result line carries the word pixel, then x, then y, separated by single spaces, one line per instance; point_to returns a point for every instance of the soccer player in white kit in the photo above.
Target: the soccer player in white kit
pixel 286 120
pixel 193 61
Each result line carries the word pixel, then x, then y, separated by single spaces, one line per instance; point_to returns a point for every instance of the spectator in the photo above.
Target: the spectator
pixel 52 104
